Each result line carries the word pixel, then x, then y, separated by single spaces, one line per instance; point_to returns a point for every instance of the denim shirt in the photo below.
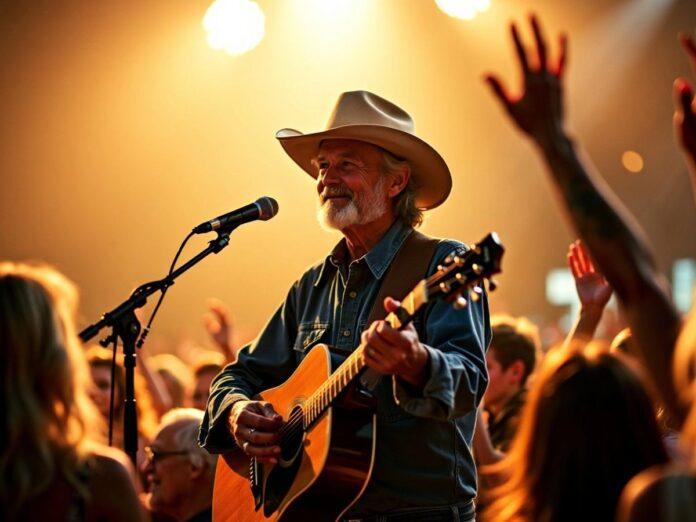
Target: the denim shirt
pixel 423 448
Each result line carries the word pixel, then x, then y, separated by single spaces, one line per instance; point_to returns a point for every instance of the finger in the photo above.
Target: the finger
pixel 519 48
pixel 374 360
pixel 391 304
pixel 683 97
pixel 584 258
pixel 259 422
pixel 689 47
pixel 255 437
pixel 254 450
pixel 388 335
pixel 562 56
pixel 269 412
pixel 218 308
pixel 499 90
pixel 573 264
pixel 211 324
pixel 540 42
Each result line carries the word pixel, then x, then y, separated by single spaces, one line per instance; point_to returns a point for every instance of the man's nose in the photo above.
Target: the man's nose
pixel 329 176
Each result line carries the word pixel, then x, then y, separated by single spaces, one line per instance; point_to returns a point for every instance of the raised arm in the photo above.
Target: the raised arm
pixel 593 290
pixel 608 230
pixel 685 112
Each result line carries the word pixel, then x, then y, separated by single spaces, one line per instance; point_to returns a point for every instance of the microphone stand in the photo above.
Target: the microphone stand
pixel 126 326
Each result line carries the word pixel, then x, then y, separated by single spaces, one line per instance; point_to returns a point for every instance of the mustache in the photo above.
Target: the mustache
pixel 332 192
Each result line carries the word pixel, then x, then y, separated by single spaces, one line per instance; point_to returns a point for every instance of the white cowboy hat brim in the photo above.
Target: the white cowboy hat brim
pixel 429 171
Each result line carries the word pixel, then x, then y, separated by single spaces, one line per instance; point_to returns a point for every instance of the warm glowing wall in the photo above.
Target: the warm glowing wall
pixel 121 129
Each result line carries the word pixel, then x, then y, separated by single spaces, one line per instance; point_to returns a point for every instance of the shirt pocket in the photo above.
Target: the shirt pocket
pixel 308 336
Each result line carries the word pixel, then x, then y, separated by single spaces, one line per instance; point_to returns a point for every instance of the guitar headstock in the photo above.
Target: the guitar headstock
pixel 461 275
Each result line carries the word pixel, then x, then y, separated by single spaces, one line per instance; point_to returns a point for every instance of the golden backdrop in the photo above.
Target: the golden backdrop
pixel 121 129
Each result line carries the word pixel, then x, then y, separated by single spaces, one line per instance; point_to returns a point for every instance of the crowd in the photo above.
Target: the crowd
pixel 584 430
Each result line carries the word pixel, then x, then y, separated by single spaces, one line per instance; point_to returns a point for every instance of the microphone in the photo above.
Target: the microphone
pixel 263 208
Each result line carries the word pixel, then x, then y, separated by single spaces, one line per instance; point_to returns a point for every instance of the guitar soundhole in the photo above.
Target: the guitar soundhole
pixel 291 442
pixel 283 474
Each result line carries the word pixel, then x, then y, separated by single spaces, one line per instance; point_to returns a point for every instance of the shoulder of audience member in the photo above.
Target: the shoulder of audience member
pixel 112 486
pixel 645 496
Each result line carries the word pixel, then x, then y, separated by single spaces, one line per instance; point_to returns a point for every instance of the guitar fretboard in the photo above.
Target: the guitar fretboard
pixel 322 398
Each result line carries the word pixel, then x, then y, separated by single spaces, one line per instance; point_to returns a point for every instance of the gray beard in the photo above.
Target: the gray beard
pixel 358 211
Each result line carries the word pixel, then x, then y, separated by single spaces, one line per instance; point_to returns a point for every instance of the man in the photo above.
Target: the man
pixel 205 369
pixel 179 472
pixel 374 178
pixel 510 361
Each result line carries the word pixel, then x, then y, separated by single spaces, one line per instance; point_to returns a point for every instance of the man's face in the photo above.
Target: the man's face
pixel 202 388
pixel 169 476
pixel 352 189
pixel 502 383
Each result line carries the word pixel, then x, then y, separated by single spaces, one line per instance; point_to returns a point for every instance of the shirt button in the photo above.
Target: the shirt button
pixel 346 333
pixel 353 294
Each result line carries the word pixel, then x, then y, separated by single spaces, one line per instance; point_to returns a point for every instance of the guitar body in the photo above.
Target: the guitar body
pixel 320 473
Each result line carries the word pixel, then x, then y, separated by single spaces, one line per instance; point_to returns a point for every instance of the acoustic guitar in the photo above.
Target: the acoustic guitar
pixel 328 436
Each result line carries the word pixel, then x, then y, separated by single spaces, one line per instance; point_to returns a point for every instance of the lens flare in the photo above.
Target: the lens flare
pixel 464 9
pixel 234 26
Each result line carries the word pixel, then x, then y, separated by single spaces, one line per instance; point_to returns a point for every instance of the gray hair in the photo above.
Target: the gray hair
pixel 188 421
pixel 405 202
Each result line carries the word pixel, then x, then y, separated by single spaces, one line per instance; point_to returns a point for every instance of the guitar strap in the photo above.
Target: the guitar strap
pixel 408 268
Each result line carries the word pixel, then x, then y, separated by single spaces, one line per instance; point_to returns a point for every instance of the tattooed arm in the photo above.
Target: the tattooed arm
pixel 610 233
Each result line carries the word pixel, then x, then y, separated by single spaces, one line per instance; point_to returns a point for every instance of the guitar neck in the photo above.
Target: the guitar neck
pixel 322 398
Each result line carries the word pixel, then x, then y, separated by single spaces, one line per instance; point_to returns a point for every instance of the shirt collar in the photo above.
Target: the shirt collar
pixel 377 259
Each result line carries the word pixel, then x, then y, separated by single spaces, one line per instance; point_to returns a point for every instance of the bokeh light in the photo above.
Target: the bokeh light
pixel 464 9
pixel 235 26
pixel 632 161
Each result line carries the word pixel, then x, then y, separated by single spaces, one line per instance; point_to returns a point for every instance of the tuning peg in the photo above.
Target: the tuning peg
pixel 492 285
pixel 460 303
pixel 445 287
pixel 476 269
pixel 475 248
pixel 475 294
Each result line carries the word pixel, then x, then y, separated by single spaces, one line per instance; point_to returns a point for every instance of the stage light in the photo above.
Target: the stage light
pixel 464 9
pixel 632 161
pixel 235 26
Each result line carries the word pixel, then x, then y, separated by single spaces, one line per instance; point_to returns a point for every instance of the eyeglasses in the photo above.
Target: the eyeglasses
pixel 154 455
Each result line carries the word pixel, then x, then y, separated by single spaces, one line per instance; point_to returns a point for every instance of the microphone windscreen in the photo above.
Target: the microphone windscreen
pixel 268 206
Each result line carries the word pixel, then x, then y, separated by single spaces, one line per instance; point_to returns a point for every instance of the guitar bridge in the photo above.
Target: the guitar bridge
pixel 255 482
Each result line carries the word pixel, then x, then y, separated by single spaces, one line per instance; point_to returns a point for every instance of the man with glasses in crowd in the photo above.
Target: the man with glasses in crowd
pixel 179 472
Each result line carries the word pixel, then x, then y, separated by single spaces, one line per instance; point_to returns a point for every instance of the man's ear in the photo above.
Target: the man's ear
pixel 516 370
pixel 196 471
pixel 399 180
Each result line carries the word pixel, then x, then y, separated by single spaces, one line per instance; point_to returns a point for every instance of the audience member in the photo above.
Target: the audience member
pixel 180 473
pixel 587 428
pixel 51 465
pixel 510 360
pixel 622 254
pixel 176 375
pixel 206 367
pixel 99 360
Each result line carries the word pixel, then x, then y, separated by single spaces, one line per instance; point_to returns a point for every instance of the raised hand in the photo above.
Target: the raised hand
pixel 593 290
pixel 685 105
pixel 219 325
pixel 538 110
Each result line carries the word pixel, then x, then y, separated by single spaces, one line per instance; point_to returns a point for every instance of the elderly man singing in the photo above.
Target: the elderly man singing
pixel 374 178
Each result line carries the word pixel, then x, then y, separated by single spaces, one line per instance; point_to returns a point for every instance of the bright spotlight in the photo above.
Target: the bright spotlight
pixel 235 26
pixel 464 9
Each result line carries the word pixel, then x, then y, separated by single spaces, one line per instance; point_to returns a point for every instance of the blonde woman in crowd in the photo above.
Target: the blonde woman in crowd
pixel 52 468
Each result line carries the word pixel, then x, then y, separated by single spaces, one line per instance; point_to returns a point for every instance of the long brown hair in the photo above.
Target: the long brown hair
pixel 588 427
pixel 48 421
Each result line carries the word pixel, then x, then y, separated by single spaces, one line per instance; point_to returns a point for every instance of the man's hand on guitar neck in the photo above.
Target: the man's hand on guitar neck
pixel 396 352
pixel 254 426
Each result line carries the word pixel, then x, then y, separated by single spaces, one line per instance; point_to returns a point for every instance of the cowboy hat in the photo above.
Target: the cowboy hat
pixel 364 116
